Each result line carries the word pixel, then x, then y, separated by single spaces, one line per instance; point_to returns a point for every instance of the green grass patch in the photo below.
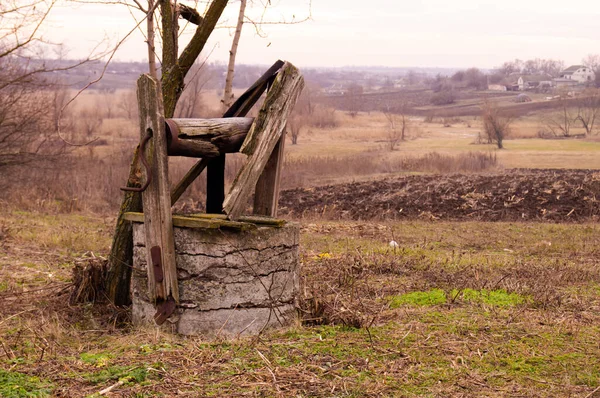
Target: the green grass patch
pixel 431 297
pixel 499 298
pixel 17 385
pixel 114 373
pixel 99 360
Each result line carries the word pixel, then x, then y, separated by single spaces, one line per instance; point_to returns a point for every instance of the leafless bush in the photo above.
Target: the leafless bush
pixel 323 117
pixel 398 125
pixel 496 125
pixel 352 100
pixel 106 102
pixel 588 110
pixel 449 121
pixel 128 104
pixel 346 296
pixel 27 130
pixel 88 123
pixel 430 118
pixel 445 97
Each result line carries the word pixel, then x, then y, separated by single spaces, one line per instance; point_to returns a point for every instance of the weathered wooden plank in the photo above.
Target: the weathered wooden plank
pixel 213 128
pixel 254 219
pixel 158 223
pixel 263 136
pixel 194 221
pixel 266 193
pixel 207 137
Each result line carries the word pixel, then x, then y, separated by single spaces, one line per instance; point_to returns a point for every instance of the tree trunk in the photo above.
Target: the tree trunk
pixel 150 33
pixel 121 252
pixel 173 76
pixel 228 92
pixel 121 255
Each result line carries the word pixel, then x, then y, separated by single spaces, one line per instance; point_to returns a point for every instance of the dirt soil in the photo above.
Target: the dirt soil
pixel 516 194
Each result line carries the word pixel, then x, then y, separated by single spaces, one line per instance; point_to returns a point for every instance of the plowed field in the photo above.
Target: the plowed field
pixel 518 194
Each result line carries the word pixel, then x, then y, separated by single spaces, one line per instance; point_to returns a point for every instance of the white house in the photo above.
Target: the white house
pixel 578 73
pixel 533 82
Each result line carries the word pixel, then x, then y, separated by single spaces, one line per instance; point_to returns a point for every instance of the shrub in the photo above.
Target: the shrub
pixel 323 117
pixel 442 98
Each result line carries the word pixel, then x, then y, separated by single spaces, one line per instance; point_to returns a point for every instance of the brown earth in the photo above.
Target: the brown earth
pixel 517 194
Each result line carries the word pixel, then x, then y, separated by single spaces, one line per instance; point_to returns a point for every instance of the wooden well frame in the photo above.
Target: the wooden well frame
pixel 261 139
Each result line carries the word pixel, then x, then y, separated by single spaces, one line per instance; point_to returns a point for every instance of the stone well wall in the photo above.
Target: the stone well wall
pixel 231 283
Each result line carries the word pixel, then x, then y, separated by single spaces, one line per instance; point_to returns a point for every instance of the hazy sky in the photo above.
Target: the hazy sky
pixel 459 33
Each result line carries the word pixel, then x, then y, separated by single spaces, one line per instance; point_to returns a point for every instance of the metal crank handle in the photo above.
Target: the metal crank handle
pixel 146 166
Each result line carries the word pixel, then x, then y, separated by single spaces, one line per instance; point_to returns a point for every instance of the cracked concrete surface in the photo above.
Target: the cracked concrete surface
pixel 230 282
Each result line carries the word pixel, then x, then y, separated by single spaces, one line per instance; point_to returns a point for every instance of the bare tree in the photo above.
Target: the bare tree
pixel 561 121
pixel 496 125
pixel 303 113
pixel 510 67
pixel 29 101
pixel 89 122
pixel 593 61
pixel 228 91
pixel 59 97
pixel 190 104
pixel 544 66
pixel 295 123
pixel 25 127
pixel 128 104
pixel 588 110
pixel 532 66
pixel 25 124
pixel 352 96
pixel 398 124
pixel 106 101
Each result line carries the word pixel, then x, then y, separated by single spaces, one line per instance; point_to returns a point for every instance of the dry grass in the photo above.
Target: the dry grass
pixel 357 148
pixel 312 171
pixel 375 324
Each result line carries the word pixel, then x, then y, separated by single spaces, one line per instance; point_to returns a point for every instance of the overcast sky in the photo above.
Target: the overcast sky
pixel 459 33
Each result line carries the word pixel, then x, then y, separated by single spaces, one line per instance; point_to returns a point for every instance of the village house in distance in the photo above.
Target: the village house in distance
pixel 575 75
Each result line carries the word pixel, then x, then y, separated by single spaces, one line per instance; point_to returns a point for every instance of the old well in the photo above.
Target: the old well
pixel 232 282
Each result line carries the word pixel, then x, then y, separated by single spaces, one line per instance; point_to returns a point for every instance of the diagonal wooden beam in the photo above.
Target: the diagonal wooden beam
pixel 240 108
pixel 263 136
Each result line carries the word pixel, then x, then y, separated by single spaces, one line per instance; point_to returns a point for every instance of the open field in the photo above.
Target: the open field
pixel 458 309
pixel 513 195
pixel 368 133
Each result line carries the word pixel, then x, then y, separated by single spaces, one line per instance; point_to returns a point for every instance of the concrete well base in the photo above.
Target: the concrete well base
pixel 231 283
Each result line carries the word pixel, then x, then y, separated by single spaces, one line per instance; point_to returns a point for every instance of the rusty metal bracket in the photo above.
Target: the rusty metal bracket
pixel 145 163
pixel 156 255
pixel 173 142
pixel 164 309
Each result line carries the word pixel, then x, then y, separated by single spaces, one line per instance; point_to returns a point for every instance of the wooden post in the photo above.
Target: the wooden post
pixel 156 199
pixel 263 136
pixel 215 185
pixel 266 194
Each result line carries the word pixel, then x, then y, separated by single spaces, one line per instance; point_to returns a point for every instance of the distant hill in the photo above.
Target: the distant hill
pixel 122 75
